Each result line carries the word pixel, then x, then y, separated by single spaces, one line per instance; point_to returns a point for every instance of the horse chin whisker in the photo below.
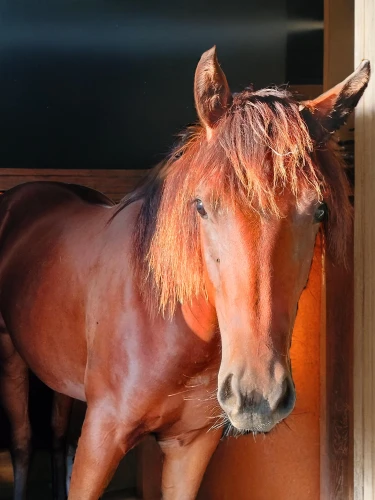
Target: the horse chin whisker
pixel 231 431
pixel 217 417
pixel 287 425
pixel 178 393
pixel 221 421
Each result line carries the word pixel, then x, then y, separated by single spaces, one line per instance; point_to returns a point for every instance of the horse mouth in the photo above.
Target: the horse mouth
pixel 231 431
pixel 249 425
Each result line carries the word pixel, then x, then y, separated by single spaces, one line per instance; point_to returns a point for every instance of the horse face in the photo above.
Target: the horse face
pixel 257 264
pixel 256 268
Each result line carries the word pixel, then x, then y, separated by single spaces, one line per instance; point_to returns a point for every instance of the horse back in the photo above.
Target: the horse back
pixel 22 205
pixel 42 195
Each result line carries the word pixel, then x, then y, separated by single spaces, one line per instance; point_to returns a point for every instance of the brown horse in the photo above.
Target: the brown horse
pixel 189 287
pixel 15 389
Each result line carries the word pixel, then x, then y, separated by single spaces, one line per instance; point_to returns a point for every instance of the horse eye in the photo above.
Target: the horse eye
pixel 200 209
pixel 321 213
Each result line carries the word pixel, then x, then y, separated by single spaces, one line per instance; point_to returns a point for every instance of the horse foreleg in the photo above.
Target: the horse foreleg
pixel 14 390
pixel 60 421
pixel 185 464
pixel 103 443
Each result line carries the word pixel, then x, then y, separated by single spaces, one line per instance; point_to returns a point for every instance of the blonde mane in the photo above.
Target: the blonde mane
pixel 261 149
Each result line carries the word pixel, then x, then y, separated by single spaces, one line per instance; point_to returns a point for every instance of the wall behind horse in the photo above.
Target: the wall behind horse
pixel 108 84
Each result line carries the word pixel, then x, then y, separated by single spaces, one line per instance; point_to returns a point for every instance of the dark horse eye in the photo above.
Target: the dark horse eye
pixel 200 209
pixel 321 213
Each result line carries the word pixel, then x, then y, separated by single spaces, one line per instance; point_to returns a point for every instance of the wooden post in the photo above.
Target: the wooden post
pixel 364 264
pixel 337 384
pixel 338 48
pixel 336 479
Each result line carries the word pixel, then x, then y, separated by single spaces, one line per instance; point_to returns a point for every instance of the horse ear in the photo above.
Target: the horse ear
pixel 211 90
pixel 328 112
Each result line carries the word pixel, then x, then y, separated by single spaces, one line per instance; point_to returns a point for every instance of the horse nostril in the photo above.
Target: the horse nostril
pixel 286 403
pixel 226 391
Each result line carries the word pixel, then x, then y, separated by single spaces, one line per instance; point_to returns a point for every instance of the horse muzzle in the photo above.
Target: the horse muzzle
pixel 248 409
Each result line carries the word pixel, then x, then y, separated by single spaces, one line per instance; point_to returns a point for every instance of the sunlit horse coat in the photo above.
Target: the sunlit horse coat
pixel 186 289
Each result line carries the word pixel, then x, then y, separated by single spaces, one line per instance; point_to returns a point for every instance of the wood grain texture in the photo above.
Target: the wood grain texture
pixel 113 183
pixel 364 264
pixel 336 459
pixel 338 49
pixel 337 382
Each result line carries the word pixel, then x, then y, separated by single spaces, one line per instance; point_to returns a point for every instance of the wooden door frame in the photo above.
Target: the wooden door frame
pixel 364 269
pixel 336 463
pixel 348 388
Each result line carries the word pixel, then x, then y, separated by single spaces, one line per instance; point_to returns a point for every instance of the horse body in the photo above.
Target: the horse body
pixel 162 369
pixel 97 300
pixel 39 246
pixel 189 287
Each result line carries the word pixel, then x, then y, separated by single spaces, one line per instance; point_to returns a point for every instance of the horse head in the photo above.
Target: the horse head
pixel 241 203
pixel 272 181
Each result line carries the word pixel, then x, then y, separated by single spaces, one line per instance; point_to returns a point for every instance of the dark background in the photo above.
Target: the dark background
pixel 107 84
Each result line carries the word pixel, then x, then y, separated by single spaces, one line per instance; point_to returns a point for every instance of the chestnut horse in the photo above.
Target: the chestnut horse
pixel 186 289
pixel 15 389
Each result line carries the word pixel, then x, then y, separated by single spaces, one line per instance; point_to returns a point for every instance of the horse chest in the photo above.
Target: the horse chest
pixel 192 400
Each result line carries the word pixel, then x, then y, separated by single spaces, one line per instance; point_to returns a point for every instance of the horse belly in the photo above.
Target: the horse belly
pixel 55 353
pixel 44 314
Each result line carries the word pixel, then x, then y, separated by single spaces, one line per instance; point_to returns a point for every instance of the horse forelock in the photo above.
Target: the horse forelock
pixel 260 150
